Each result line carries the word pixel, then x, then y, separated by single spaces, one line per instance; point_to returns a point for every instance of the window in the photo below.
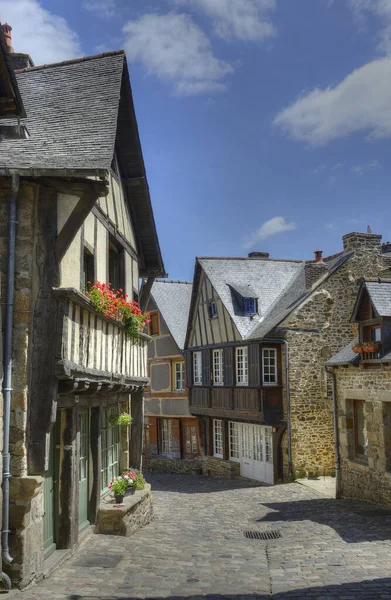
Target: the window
pixel 241 366
pixel 218 367
pixel 213 310
pixel 234 450
pixel 88 269
pixel 109 448
pixel 218 438
pixel 268 446
pixel 191 440
pixel 197 368
pixel 360 429
pixel 154 328
pixel 269 366
pixel 179 375
pixel 115 264
pixel 167 440
pixel 249 306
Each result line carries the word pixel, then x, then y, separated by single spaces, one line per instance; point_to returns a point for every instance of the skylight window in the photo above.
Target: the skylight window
pixel 249 306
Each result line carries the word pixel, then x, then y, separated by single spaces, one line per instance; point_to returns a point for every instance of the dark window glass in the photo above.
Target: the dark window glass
pixel 88 269
pixel 249 306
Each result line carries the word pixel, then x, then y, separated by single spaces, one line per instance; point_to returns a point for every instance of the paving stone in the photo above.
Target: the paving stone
pixel 196 549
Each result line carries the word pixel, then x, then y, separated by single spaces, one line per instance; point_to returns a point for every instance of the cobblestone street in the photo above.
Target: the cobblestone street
pixel 196 547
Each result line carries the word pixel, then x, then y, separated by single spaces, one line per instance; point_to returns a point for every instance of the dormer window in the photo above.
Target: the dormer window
pixel 249 306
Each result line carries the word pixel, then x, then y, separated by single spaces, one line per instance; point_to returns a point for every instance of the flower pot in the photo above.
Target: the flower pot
pixel 372 347
pixel 131 490
pixel 358 348
pixel 119 498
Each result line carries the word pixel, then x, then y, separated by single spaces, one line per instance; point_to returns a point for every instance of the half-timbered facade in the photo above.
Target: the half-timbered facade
pixel 172 436
pixel 77 189
pixel 259 331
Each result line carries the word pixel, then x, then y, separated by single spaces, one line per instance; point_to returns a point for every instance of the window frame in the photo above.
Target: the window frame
pixel 197 362
pixel 218 438
pixel 164 434
pixel 213 310
pixel 357 454
pixel 174 375
pixel 253 310
pixel 233 426
pixel 114 248
pixel 113 430
pixel 88 268
pixel 218 352
pixel 153 314
pixel 244 368
pixel 269 383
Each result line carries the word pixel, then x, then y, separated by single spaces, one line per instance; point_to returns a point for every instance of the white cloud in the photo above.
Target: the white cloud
pixel 246 20
pixel 101 8
pixel 175 49
pixel 381 9
pixel 268 229
pixel 360 103
pixel 38 32
pixel 369 166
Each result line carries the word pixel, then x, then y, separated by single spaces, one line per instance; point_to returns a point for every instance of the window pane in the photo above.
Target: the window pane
pixel 217 438
pixel 234 441
pixel 360 428
pixel 241 365
pixel 109 448
pixel 197 368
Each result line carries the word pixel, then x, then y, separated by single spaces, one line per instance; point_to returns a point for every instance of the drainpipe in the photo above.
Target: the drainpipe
pixel 7 381
pixel 338 491
pixel 288 401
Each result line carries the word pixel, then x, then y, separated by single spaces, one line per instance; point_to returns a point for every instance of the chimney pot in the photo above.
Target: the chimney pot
pixel 7 36
pixel 318 256
pixel 259 255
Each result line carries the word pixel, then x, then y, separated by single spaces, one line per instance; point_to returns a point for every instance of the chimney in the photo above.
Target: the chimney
pixel 361 241
pixel 314 271
pixel 8 37
pixel 318 256
pixel 259 255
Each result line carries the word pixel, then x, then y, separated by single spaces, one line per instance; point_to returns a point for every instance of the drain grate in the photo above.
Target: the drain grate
pixel 262 535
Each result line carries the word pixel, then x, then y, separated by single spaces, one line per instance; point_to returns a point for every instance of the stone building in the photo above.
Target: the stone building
pixel 362 398
pixel 259 331
pixel 73 188
pixel 172 435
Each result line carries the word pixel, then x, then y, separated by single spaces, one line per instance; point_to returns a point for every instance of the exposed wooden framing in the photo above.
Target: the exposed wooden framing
pixel 77 217
pixel 112 229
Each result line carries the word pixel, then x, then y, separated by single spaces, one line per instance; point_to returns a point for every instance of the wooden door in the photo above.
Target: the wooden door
pixel 83 469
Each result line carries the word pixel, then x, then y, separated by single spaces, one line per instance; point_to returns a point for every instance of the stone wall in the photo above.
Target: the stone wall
pixel 371 481
pixel 126 519
pixel 169 465
pixel 218 467
pixel 316 330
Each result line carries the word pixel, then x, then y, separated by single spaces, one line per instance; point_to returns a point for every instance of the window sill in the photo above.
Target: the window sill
pixel 276 384
pixel 361 462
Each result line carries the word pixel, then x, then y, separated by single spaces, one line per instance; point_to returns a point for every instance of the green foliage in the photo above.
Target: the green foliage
pixel 119 485
pixel 122 419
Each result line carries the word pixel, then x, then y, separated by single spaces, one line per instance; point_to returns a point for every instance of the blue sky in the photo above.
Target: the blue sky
pixel 265 124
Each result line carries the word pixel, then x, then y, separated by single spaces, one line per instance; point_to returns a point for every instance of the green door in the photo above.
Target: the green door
pixel 83 469
pixel 49 536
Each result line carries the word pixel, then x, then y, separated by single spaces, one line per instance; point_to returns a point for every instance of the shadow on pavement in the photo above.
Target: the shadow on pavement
pixel 197 484
pixel 354 521
pixel 363 590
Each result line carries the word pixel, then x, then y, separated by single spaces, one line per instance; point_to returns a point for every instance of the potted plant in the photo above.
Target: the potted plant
pixel 118 486
pixel 130 477
pixel 358 348
pixel 372 346
pixel 136 477
pixel 122 419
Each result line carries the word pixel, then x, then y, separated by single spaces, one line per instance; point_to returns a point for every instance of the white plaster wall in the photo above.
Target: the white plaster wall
pixel 89 229
pixel 102 244
pixel 70 267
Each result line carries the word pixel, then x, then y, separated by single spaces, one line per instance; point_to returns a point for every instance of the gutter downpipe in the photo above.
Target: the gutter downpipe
pixel 338 491
pixel 288 402
pixel 7 381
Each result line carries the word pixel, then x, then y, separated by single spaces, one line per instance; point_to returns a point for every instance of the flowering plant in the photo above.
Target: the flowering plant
pixel 114 304
pixel 118 485
pixel 136 478
pixel 122 419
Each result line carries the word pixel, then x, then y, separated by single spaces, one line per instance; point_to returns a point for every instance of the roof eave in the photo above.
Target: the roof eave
pixel 6 68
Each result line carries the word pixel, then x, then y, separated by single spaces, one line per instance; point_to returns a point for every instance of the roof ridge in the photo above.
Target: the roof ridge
pixel 255 258
pixel 173 281
pixel 72 61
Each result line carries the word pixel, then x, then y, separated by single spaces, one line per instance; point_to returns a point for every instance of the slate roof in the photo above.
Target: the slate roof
pixel 72 110
pixel 172 298
pixel 380 294
pixel 267 278
pixel 78 111
pixel 346 356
